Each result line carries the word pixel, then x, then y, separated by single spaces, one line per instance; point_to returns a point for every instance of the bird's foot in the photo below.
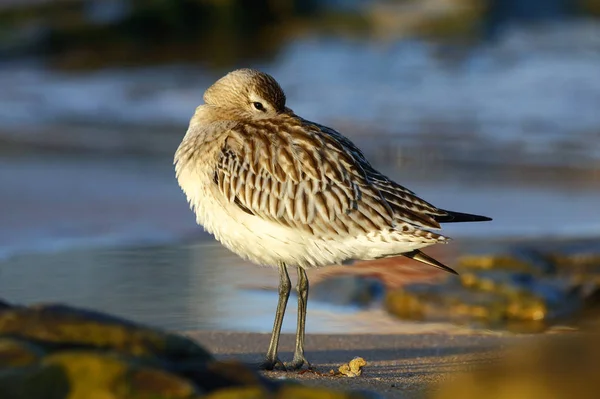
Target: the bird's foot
pixel 271 364
pixel 297 363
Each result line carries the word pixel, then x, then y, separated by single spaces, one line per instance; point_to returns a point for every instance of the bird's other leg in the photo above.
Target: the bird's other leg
pixel 285 286
pixel 299 360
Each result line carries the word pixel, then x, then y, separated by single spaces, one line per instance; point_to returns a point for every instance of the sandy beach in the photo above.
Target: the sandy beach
pixel 398 365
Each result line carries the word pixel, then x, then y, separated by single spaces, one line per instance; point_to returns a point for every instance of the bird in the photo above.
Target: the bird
pixel 280 190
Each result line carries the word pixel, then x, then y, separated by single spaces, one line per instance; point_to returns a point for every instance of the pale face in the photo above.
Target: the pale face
pixel 250 93
pixel 260 107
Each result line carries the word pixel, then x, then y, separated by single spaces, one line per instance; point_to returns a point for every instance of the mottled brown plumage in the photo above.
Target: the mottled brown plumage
pixel 278 189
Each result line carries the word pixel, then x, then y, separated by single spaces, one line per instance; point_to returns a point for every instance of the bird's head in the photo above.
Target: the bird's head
pixel 248 92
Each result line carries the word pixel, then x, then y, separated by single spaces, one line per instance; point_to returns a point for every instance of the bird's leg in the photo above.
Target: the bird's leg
pixel 302 288
pixel 284 293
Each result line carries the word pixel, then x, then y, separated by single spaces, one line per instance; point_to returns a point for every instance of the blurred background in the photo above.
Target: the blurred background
pixel 483 106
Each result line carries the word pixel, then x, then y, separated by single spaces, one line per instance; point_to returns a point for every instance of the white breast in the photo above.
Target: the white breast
pixel 267 243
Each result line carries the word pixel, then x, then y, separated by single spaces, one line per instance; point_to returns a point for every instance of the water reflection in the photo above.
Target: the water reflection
pixel 177 287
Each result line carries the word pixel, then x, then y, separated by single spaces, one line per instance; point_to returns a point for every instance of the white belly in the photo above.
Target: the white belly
pixel 267 243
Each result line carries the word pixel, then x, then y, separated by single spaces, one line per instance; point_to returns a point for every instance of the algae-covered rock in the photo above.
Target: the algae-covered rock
pixel 18 353
pixel 61 352
pixel 286 391
pixel 65 327
pixel 524 289
pixel 223 374
pixel 55 351
pixel 240 393
pixel 584 266
pixel 523 260
pixel 559 368
pixel 494 298
pixel 446 301
pixel 85 374
pixel 304 392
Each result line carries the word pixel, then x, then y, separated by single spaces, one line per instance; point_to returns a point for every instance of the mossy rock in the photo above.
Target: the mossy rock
pixel 448 301
pixel 61 352
pixel 89 374
pixel 523 260
pixel 493 298
pixel 18 353
pixel 286 391
pixel 578 263
pixel 59 327
pixel 517 285
pixel 561 367
pixel 56 351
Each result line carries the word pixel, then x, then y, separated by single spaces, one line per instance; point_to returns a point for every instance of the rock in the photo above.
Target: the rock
pixel 353 368
pixel 58 326
pixel 525 260
pixel 303 392
pixel 560 368
pixel 56 352
pixel 496 298
pixel 583 265
pixel 17 353
pixel 287 391
pixel 82 374
pixel 239 393
pixel 448 301
pixel 553 292
pixel 225 374
pixel 502 281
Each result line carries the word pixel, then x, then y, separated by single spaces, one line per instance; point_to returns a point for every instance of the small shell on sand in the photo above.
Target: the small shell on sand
pixel 352 368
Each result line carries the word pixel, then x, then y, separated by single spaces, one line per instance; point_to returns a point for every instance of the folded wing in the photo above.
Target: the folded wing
pixel 304 176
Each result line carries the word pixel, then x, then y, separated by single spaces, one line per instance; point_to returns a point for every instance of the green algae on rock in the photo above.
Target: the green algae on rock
pixel 560 367
pixel 18 353
pixel 524 290
pixel 64 326
pixel 60 352
pixel 524 260
pixel 82 374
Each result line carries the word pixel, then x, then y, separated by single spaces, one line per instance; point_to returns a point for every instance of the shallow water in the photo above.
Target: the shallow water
pixel 183 287
pixel 180 287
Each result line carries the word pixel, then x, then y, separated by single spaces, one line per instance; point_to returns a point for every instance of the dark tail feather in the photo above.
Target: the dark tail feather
pixel 457 217
pixel 428 260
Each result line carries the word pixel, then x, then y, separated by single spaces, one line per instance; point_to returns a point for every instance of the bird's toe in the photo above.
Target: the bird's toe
pixel 297 363
pixel 272 364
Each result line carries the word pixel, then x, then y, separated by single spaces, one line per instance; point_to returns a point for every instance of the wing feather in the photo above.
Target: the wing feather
pixel 311 177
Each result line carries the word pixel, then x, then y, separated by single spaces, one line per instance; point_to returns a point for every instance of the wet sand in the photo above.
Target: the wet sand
pixel 398 366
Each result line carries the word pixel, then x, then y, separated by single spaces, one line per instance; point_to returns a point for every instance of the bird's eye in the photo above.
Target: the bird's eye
pixel 259 106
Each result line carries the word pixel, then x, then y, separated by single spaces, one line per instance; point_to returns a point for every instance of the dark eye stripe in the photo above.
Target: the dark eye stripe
pixel 259 106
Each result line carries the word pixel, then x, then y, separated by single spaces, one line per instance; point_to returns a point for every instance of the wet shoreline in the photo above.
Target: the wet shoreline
pixel 202 286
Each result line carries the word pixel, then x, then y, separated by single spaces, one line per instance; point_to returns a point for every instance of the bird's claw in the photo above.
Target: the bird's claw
pixel 271 364
pixel 297 363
